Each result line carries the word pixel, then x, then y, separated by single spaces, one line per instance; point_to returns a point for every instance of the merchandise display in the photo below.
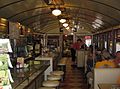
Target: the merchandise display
pixel 5 75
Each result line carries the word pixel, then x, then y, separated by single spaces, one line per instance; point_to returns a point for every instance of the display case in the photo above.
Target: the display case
pixel 27 47
pixel 30 77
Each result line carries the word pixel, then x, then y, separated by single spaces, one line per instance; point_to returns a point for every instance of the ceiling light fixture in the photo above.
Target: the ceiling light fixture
pixel 72 33
pixel 62 20
pixel 65 24
pixel 56 12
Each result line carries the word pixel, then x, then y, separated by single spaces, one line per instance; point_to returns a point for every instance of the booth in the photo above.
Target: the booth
pixel 105 77
pixel 81 58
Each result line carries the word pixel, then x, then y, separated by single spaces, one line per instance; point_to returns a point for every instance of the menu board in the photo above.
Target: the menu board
pixel 5 75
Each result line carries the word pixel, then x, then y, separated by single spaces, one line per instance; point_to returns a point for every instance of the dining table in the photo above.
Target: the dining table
pixel 109 86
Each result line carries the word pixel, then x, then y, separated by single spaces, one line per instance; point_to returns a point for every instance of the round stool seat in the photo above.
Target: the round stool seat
pixel 46 88
pixel 54 77
pixel 57 73
pixel 50 83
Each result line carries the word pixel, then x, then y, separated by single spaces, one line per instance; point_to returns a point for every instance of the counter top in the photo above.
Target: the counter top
pixel 23 74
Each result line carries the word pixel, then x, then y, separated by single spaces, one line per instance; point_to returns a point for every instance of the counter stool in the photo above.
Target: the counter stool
pixel 59 73
pixel 62 67
pixel 54 77
pixel 51 84
pixel 46 88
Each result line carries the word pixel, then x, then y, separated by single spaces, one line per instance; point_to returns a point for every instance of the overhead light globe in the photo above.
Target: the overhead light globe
pixel 65 24
pixel 72 33
pixel 62 20
pixel 56 12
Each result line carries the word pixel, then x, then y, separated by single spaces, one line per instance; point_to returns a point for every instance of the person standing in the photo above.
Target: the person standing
pixel 75 46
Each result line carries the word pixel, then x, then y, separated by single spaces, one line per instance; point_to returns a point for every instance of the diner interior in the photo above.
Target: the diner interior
pixel 36 38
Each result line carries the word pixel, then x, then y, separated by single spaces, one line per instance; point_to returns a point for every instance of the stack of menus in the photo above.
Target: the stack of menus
pixel 5 63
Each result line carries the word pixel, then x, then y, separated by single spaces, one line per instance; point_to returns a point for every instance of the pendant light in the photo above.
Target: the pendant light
pixel 65 24
pixel 56 12
pixel 62 20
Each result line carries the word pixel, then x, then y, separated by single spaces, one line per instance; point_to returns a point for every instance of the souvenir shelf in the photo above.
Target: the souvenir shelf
pixel 5 63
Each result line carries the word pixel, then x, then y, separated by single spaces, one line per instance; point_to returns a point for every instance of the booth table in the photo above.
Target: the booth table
pixel 109 86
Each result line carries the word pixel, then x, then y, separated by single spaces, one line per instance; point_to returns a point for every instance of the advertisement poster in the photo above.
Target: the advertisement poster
pixel 5 75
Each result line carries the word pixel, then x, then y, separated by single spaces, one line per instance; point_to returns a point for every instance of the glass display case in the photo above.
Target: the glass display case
pixel 26 46
pixel 25 77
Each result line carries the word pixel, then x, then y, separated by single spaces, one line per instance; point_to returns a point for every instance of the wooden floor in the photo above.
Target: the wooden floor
pixel 74 78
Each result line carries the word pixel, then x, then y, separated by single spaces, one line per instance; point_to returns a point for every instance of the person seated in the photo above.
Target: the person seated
pixel 105 54
pixel 101 62
pixel 105 63
pixel 117 59
pixel 98 55
pixel 89 62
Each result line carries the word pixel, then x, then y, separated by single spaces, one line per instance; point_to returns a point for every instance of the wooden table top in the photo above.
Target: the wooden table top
pixel 108 86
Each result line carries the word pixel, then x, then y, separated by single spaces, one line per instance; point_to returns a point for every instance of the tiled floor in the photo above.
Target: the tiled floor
pixel 74 78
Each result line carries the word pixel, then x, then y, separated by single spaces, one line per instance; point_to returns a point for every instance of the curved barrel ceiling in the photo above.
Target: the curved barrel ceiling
pixel 92 15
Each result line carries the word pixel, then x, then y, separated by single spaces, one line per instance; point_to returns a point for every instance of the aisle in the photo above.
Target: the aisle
pixel 74 78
